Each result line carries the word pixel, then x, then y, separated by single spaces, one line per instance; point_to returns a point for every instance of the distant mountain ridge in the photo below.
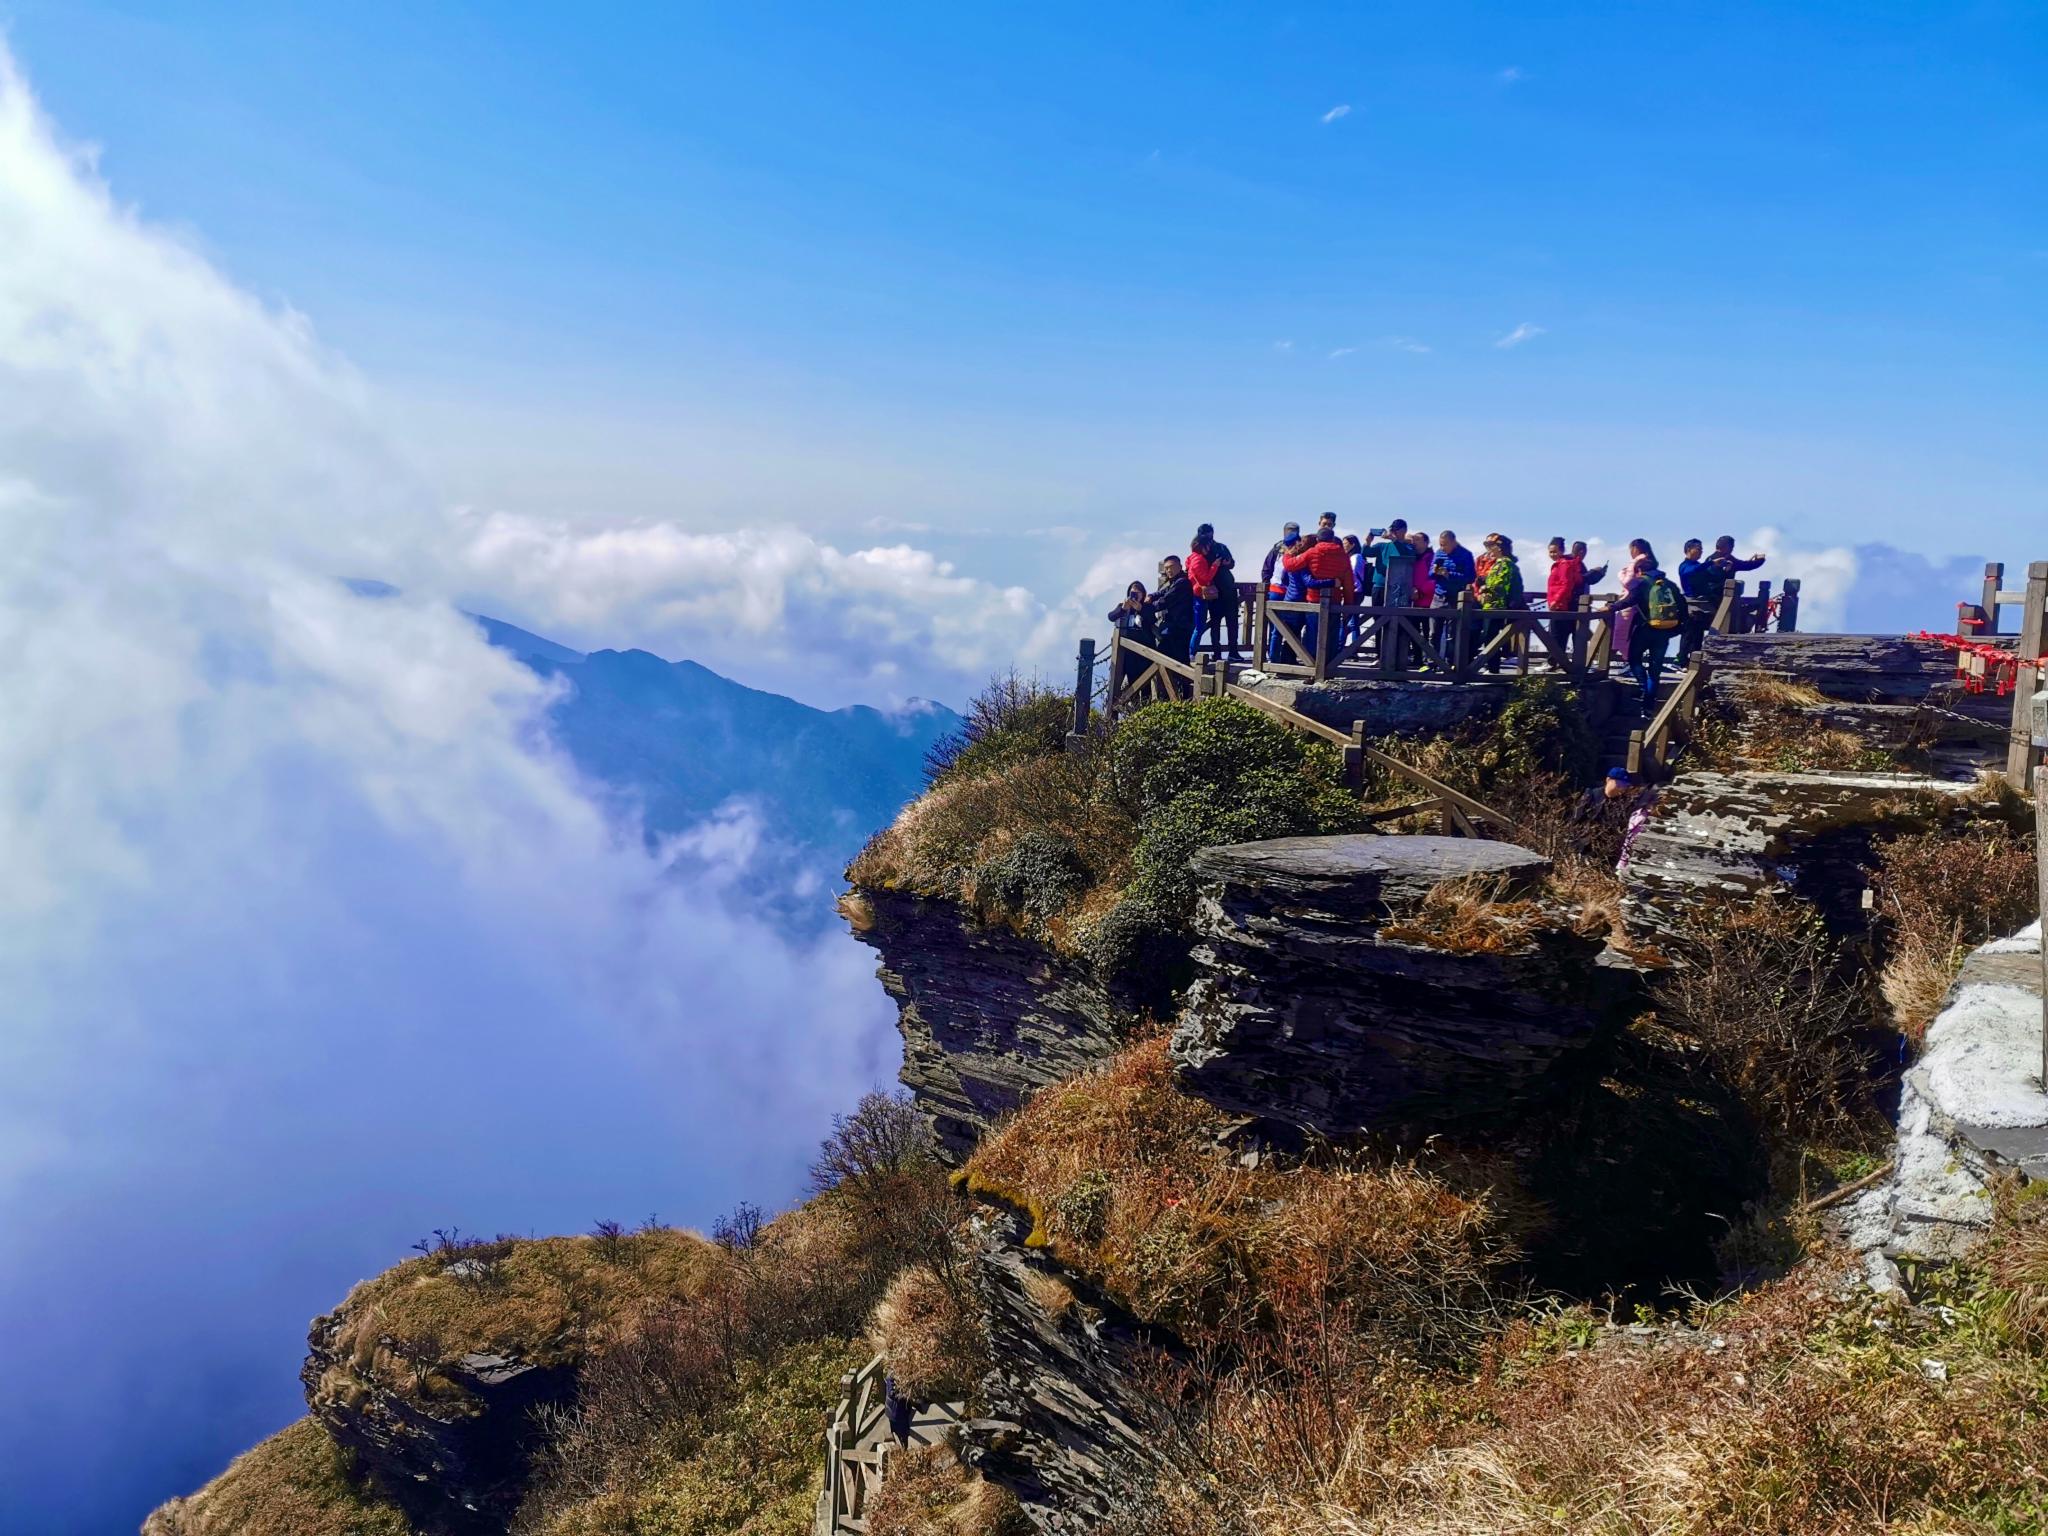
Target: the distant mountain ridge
pixel 679 746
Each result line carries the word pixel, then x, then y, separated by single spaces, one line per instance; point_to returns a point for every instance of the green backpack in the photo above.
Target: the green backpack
pixel 1664 604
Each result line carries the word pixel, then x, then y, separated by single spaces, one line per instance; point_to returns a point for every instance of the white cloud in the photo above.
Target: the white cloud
pixel 1512 74
pixel 1405 344
pixel 1283 346
pixel 306 943
pixel 1521 333
pixel 1337 352
pixel 1342 109
pixel 891 616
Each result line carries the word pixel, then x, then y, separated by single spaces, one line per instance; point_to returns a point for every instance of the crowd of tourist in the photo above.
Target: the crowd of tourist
pixel 1199 601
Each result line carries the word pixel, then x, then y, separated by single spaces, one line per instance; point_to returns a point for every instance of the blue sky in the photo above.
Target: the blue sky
pixel 952 273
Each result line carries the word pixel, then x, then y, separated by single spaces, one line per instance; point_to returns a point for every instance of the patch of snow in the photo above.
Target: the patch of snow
pixel 2026 942
pixel 1982 1063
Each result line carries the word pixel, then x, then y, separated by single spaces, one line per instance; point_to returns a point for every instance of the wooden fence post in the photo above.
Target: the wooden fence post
pixel 1354 758
pixel 1116 672
pixel 1324 620
pixel 1084 687
pixel 1987 612
pixel 1582 629
pixel 1724 616
pixel 1788 607
pixel 1261 654
pixel 2019 756
pixel 1461 633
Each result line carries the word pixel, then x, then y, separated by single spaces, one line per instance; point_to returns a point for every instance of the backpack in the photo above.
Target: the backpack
pixel 1663 603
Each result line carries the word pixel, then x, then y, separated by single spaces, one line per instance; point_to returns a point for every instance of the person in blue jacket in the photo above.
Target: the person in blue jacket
pixel 1704 578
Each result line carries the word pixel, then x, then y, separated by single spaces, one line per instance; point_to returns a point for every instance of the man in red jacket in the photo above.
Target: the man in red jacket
pixel 1321 561
pixel 1561 596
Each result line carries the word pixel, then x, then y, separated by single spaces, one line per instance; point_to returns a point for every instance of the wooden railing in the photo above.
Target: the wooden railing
pixel 859 1443
pixel 1454 643
pixel 1651 749
pixel 1458 813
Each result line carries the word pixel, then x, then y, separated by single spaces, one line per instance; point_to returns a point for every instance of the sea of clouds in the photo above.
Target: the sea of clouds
pixel 308 940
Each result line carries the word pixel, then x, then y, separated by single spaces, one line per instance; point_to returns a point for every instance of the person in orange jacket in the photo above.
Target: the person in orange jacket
pixel 1321 561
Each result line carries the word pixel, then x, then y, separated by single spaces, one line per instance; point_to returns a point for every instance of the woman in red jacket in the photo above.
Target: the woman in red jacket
pixel 1562 592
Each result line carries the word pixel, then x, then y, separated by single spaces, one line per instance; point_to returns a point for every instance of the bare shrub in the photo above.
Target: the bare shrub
pixel 609 1237
pixel 1011 719
pixel 878 1164
pixel 1764 990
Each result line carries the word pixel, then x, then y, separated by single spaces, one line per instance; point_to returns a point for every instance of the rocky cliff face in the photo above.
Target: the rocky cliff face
pixel 453 1455
pixel 1738 835
pixel 1069 1427
pixel 1311 1007
pixel 988 1018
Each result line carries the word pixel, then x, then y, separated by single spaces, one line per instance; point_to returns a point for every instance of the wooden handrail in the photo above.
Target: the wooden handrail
pixel 1656 736
pixel 1162 660
pixel 1291 718
pixel 1458 806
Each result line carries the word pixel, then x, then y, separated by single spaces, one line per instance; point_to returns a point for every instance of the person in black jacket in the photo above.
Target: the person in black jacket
pixel 1133 620
pixel 1172 607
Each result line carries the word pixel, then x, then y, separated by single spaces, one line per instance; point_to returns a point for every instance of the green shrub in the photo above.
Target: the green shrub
pixel 1012 719
pixel 1216 745
pixel 1542 731
pixel 1195 774
pixel 1038 875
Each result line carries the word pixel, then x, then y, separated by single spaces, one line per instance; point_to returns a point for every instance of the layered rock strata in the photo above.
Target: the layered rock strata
pixel 1317 1007
pixel 1738 835
pixel 1860 669
pixel 453 1451
pixel 988 1017
pixel 1070 1426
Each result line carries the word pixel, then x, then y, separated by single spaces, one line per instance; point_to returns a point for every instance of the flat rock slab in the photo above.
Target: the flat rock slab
pixel 1867 669
pixel 1389 707
pixel 1364 869
pixel 1735 835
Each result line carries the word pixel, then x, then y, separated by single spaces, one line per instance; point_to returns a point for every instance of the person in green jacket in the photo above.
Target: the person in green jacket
pixel 1500 590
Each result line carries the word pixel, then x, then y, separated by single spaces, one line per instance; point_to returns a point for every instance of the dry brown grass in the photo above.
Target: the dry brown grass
pixel 1806 1408
pixel 1939 894
pixel 1756 720
pixel 1472 915
pixel 542 1299
pixel 963 825
pixel 298 1481
pixel 929 1493
pixel 1123 1176
pixel 930 1340
pixel 1776 690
